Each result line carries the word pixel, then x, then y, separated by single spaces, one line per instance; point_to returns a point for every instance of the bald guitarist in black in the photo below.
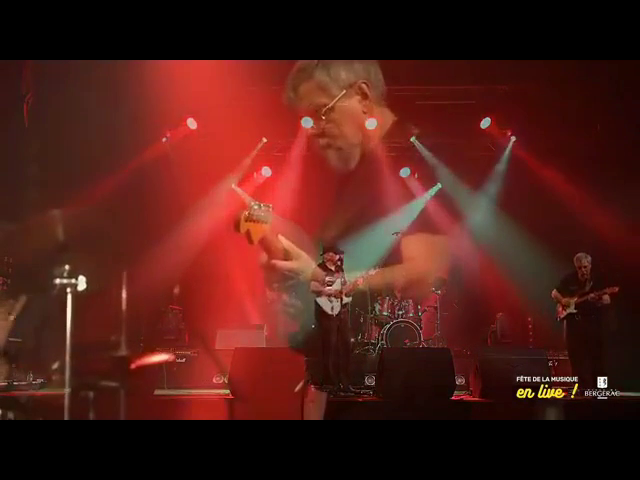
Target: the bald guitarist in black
pixel 584 328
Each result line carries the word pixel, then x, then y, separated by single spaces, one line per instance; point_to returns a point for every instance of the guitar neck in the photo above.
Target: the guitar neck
pixel 586 297
pixel 352 286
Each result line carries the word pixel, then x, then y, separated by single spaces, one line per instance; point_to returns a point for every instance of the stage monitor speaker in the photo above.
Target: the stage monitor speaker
pixel 415 375
pixel 496 373
pixel 363 371
pixel 263 384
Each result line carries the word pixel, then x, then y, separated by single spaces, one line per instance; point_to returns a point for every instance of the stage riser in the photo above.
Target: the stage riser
pixel 210 371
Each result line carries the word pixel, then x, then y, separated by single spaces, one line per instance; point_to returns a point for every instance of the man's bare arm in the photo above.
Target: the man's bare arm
pixel 316 287
pixel 425 257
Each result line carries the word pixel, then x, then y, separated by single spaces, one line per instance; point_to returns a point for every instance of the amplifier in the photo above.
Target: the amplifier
pixel 560 366
pixel 195 369
pixel 181 353
pixel 251 336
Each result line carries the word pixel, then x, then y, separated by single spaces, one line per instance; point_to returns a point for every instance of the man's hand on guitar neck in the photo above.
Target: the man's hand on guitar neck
pixel 299 264
pixel 600 299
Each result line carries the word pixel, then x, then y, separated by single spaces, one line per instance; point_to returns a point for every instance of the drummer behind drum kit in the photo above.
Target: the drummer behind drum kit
pixel 397 322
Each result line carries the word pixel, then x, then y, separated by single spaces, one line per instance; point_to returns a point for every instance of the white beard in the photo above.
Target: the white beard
pixel 341 160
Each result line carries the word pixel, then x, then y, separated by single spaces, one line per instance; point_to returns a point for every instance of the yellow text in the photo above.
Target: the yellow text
pixel 544 392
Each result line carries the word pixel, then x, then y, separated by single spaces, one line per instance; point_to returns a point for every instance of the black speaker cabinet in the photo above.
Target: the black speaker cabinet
pixel 363 370
pixel 415 375
pixel 498 369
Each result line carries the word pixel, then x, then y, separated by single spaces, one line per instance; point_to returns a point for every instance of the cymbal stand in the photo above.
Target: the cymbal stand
pixel 367 334
pixel 438 339
pixel 72 285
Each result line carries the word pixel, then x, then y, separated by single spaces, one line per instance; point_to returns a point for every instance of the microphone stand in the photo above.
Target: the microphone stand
pixel 123 354
pixel 72 285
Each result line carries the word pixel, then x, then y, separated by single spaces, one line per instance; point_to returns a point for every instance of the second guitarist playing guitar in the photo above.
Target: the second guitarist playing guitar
pixel 582 298
pixel 332 322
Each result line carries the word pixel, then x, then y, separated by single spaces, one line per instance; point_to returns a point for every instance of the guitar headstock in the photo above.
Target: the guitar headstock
pixel 255 221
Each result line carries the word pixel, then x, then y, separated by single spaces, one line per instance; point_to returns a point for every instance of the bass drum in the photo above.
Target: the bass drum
pixel 402 333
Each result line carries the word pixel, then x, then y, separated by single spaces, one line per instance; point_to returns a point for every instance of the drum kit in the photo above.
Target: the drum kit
pixel 394 321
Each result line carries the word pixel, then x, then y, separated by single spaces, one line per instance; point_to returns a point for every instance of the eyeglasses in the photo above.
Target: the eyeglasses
pixel 321 116
pixel 327 110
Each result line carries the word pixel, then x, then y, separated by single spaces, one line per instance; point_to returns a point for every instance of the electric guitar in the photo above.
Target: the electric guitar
pixel 341 295
pixel 255 224
pixel 562 311
pixel 259 225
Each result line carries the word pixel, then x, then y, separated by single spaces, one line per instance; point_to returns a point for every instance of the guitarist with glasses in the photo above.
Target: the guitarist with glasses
pixel 581 298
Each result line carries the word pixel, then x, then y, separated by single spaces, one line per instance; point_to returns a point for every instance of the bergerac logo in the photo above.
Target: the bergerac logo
pixel 602 392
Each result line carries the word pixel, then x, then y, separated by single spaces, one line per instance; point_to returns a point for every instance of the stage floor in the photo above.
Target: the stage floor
pixel 220 405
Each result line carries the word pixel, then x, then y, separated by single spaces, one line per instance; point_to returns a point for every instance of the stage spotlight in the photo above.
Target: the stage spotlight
pixel 307 122
pixel 191 123
pixel 371 123
pixel 485 123
pixel 405 172
pixel 266 172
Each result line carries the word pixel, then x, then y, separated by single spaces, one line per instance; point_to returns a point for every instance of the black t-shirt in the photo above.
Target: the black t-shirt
pixel 374 191
pixel 572 286
pixel 368 196
pixel 353 202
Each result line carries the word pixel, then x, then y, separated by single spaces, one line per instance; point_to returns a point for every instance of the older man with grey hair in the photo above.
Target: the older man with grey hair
pixel 343 104
pixel 342 98
pixel 584 328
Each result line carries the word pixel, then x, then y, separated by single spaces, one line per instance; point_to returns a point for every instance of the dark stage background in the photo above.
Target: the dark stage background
pixel 90 119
